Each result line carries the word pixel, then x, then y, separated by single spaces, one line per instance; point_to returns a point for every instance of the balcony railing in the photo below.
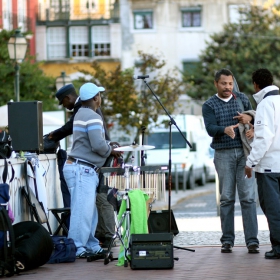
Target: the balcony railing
pixel 47 12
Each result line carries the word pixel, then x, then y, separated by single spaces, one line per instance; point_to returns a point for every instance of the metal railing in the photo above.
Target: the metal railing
pixel 47 12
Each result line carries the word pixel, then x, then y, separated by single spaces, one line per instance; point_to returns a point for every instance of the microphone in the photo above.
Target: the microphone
pixel 140 77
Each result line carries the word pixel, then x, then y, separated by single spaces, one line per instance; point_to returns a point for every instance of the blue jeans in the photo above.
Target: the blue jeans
pixel 269 196
pixel 82 182
pixel 230 164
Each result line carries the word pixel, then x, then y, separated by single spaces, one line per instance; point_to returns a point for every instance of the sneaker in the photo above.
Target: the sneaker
pixel 83 255
pixel 226 248
pixel 100 252
pixel 253 249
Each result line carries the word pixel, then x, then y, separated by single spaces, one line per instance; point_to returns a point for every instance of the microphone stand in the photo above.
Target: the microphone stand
pixel 172 122
pixel 143 155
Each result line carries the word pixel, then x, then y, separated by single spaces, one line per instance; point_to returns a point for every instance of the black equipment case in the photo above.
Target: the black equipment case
pixel 151 251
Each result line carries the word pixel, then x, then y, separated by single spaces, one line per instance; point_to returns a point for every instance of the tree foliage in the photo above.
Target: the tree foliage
pixel 131 103
pixel 34 84
pixel 243 47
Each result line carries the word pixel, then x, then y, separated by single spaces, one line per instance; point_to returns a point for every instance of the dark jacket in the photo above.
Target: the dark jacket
pixel 67 129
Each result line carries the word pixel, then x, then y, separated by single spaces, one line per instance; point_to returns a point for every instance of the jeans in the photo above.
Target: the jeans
pixel 82 182
pixel 230 164
pixel 269 196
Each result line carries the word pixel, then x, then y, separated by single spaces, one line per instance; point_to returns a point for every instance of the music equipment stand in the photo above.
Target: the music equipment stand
pixel 172 122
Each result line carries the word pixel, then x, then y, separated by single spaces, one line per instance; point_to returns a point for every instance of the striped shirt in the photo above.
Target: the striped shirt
pixel 89 142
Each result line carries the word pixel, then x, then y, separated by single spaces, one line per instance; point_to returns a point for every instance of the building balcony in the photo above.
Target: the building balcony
pixel 86 10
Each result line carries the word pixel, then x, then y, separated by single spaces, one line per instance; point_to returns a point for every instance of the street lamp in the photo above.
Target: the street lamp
pixel 17 47
pixel 62 80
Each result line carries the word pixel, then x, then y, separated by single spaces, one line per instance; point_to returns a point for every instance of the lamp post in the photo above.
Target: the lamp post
pixel 17 47
pixel 61 81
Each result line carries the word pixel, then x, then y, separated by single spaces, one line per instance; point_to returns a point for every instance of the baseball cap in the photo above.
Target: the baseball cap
pixel 89 90
pixel 64 91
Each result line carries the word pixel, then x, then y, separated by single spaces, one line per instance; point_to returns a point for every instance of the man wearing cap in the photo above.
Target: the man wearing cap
pixel 89 152
pixel 68 97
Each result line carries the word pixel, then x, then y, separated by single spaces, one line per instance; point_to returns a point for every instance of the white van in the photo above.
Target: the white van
pixel 189 163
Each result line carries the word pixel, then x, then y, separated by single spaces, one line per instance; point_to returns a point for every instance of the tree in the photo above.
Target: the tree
pixel 131 103
pixel 34 84
pixel 252 43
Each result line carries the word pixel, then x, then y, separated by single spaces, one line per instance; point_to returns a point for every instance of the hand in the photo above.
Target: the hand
pixel 243 118
pixel 229 130
pixel 250 132
pixel 50 135
pixel 116 154
pixel 248 171
pixel 114 144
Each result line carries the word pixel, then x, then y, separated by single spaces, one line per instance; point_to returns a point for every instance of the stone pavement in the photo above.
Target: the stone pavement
pixel 207 262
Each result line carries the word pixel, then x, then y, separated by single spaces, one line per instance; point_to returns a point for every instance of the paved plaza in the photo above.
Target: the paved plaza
pixel 201 234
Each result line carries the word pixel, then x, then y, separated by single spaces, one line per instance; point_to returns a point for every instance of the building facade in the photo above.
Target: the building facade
pixel 73 33
pixel 176 30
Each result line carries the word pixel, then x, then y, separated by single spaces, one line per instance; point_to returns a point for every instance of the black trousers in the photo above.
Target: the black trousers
pixel 269 197
pixel 61 158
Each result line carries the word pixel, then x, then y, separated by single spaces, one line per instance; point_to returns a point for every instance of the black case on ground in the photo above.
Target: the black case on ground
pixel 152 251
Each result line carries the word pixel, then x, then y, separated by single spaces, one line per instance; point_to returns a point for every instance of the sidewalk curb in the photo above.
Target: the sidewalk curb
pixel 193 196
pixel 182 199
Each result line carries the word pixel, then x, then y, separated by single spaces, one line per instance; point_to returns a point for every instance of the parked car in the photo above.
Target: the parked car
pixel 187 163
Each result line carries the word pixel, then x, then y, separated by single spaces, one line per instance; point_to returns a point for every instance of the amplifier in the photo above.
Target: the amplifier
pixel 151 251
pixel 26 125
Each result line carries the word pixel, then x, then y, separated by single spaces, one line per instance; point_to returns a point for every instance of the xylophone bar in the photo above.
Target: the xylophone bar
pixel 120 170
pixel 154 183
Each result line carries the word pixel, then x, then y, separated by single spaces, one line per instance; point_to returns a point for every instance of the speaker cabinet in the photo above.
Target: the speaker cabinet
pixel 151 251
pixel 159 222
pixel 26 125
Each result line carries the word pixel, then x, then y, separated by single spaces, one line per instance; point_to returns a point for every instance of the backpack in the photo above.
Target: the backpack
pixel 7 240
pixel 7 245
pixel 5 145
pixel 64 250
pixel 33 244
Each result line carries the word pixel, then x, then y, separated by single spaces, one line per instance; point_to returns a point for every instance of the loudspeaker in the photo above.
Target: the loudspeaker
pixel 151 251
pixel 26 125
pixel 159 222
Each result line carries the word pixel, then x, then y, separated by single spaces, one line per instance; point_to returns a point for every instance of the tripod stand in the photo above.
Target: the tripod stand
pixel 172 122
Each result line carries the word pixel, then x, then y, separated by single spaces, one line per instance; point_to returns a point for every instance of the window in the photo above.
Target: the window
pixel 101 45
pixel 189 67
pixel 79 41
pixel 22 15
pixel 7 16
pixel 161 140
pixel 60 8
pixel 143 20
pixel 56 42
pixel 191 17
